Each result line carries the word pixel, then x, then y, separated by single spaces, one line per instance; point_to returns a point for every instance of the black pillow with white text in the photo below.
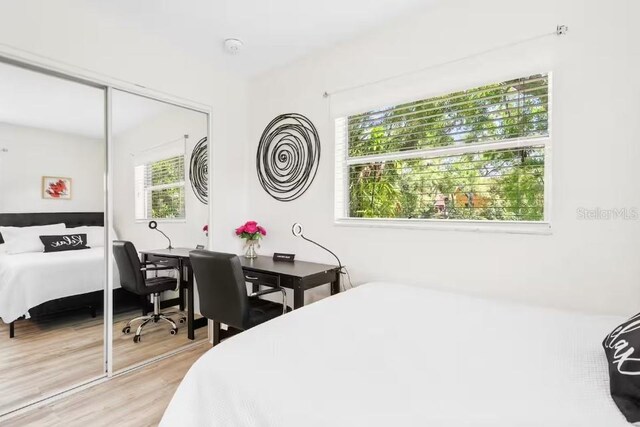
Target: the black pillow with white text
pixel 622 348
pixel 68 242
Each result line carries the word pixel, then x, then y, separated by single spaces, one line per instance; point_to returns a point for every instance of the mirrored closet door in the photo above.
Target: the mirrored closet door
pixel 52 244
pixel 160 210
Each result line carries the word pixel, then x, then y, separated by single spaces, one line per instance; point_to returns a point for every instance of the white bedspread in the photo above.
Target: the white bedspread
pixel 397 355
pixel 30 279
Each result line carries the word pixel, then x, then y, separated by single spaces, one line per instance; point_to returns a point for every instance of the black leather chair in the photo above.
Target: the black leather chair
pixel 223 293
pixel 133 279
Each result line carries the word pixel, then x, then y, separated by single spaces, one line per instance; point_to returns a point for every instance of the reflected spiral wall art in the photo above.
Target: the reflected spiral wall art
pixel 288 156
pixel 199 171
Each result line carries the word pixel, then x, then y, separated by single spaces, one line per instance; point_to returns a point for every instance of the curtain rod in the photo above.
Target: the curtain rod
pixel 560 31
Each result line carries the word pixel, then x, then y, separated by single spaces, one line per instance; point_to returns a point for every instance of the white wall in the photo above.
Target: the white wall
pixel 155 131
pixel 34 153
pixel 589 265
pixel 75 32
pixel 584 264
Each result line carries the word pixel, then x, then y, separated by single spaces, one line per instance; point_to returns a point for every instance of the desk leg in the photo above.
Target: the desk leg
pixel 298 296
pixel 216 333
pixel 144 300
pixel 190 304
pixel 12 329
pixel 182 289
pixel 335 285
pixel 144 303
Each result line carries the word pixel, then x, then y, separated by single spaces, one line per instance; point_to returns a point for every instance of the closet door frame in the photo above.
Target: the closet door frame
pixel 48 66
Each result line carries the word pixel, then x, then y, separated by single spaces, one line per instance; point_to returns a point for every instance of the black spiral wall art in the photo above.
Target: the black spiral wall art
pixel 288 156
pixel 199 171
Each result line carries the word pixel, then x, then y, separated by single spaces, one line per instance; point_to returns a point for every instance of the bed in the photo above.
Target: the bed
pixel 392 354
pixel 30 279
pixel 36 283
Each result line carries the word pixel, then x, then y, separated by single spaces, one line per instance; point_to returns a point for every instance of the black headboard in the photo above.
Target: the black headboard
pixel 71 219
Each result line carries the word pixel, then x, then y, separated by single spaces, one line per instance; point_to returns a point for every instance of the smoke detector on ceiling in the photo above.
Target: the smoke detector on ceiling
pixel 233 46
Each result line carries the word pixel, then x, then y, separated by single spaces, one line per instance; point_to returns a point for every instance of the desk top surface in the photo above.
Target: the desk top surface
pixel 266 264
pixel 262 263
pixel 172 253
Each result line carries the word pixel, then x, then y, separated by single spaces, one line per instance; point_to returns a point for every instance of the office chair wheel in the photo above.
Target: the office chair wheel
pixel 174 331
pixel 126 330
pixel 136 338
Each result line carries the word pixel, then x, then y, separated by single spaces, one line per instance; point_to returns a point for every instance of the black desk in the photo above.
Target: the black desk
pixel 179 257
pixel 299 276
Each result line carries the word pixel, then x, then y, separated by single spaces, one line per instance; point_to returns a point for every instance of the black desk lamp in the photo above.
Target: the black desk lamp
pixel 154 226
pixel 298 231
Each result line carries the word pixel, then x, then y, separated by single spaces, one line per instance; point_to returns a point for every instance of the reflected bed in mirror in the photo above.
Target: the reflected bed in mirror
pixel 52 175
pixel 34 283
pixel 52 302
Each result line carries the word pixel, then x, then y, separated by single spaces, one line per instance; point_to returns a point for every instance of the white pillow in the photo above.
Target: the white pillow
pixel 95 234
pixel 18 240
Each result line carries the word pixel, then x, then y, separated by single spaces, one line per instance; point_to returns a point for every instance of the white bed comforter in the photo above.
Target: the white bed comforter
pixel 30 279
pixel 397 355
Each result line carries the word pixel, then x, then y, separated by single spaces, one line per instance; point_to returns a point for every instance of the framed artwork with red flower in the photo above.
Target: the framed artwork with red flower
pixel 56 188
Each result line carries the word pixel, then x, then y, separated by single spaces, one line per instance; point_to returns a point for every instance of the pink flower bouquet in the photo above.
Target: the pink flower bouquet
pixel 252 233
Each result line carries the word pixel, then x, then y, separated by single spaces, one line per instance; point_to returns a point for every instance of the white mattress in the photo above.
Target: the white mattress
pixel 396 355
pixel 30 279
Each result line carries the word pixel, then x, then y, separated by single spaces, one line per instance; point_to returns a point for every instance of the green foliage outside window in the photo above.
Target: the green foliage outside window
pixel 486 184
pixel 167 203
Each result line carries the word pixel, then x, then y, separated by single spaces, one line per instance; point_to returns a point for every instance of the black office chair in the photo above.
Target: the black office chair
pixel 223 293
pixel 133 279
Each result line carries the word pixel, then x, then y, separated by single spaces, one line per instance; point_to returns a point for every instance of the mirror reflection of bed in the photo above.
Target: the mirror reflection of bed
pixel 52 168
pixel 56 302
pixel 52 186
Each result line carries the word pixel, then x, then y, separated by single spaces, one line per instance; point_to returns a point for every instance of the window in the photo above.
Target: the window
pixel 160 189
pixel 479 154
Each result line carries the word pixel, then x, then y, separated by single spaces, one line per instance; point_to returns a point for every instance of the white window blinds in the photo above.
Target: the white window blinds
pixel 160 185
pixel 477 154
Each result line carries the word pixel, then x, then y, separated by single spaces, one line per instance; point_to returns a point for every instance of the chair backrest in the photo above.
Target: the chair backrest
pixel 129 267
pixel 221 287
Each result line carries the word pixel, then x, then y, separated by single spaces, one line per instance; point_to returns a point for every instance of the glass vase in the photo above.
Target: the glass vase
pixel 251 249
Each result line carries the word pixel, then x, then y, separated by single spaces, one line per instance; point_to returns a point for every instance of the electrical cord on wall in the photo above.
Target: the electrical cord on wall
pixel 346 272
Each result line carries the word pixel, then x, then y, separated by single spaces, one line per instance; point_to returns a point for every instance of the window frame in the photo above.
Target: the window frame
pixel 343 163
pixel 147 191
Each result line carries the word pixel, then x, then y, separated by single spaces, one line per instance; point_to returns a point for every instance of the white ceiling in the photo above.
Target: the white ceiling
pixel 37 100
pixel 41 101
pixel 275 32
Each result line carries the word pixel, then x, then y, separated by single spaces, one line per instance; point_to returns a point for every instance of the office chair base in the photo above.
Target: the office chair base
pixel 152 318
pixel 181 319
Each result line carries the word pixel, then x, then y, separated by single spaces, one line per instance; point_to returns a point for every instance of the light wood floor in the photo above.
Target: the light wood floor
pixel 156 340
pixel 137 399
pixel 47 357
